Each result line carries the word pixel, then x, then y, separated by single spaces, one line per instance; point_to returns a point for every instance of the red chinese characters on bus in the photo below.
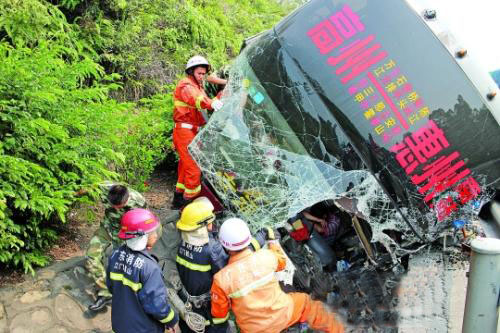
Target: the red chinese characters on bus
pixel 358 55
pixel 416 149
pixel 438 176
pixel 331 33
pixel 390 103
pixel 357 58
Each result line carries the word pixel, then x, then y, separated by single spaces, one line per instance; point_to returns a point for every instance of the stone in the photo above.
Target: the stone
pixel 36 320
pixel 70 312
pixel 8 293
pixel 40 317
pixel 79 271
pixel 2 311
pixel 57 329
pixel 34 296
pixel 62 282
pixel 3 325
pixel 46 274
pixel 20 330
pixel 102 321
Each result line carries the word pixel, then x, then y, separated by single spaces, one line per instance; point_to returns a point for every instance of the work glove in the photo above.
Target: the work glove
pixel 216 104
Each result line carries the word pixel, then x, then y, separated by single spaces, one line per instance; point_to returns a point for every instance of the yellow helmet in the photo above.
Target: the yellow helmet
pixel 196 215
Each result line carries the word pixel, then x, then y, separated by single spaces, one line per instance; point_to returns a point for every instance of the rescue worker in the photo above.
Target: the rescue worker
pixel 248 286
pixel 135 279
pixel 189 100
pixel 199 257
pixel 119 200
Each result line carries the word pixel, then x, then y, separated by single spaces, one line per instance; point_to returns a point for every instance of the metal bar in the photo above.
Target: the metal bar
pixel 481 313
pixel 364 241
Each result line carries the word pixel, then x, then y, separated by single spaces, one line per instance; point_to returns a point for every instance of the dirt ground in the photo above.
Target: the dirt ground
pixel 75 235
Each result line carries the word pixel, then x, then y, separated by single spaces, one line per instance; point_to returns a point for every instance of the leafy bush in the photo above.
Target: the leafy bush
pixel 59 133
pixel 51 144
pixel 148 138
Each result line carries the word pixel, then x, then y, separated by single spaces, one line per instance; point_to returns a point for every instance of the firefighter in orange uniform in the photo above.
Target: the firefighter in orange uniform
pixel 248 287
pixel 189 100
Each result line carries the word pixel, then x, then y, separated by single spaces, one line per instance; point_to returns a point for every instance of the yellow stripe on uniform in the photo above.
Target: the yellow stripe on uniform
pixel 126 282
pixel 193 266
pixel 217 320
pixel 180 185
pixel 196 190
pixel 198 101
pixel 255 244
pixel 183 105
pixel 168 318
pixel 252 286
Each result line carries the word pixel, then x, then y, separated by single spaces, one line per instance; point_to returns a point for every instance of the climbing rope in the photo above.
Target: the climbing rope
pixel 195 321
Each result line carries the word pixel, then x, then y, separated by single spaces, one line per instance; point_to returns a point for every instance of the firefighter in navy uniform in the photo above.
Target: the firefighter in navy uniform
pixel 199 257
pixel 134 278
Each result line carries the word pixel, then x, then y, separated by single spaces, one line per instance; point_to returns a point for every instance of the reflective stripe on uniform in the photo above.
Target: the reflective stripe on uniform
pixel 252 286
pixel 185 125
pixel 193 266
pixel 168 318
pixel 198 101
pixel 183 105
pixel 217 321
pixel 180 185
pixel 270 233
pixel 255 244
pixel 196 190
pixel 126 282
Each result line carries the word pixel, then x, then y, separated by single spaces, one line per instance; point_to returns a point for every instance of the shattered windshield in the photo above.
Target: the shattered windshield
pixel 265 170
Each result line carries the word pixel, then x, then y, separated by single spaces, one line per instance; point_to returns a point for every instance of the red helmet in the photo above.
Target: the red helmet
pixel 137 222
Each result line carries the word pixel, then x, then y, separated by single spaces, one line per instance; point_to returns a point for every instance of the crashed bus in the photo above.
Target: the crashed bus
pixel 378 115
pixel 383 117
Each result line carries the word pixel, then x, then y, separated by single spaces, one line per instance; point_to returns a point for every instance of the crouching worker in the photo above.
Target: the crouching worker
pixel 199 257
pixel 134 278
pixel 119 200
pixel 248 286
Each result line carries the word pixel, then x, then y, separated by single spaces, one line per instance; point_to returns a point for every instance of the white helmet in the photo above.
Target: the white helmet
pixel 196 61
pixel 234 234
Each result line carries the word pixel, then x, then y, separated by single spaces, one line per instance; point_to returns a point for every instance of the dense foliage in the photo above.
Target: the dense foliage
pixel 147 42
pixel 84 96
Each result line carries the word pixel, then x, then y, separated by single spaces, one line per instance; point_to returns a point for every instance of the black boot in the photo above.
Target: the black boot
pixel 177 201
pixel 100 303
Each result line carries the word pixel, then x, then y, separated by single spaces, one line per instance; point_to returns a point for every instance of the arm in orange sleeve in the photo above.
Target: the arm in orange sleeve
pixel 278 252
pixel 194 97
pixel 220 302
